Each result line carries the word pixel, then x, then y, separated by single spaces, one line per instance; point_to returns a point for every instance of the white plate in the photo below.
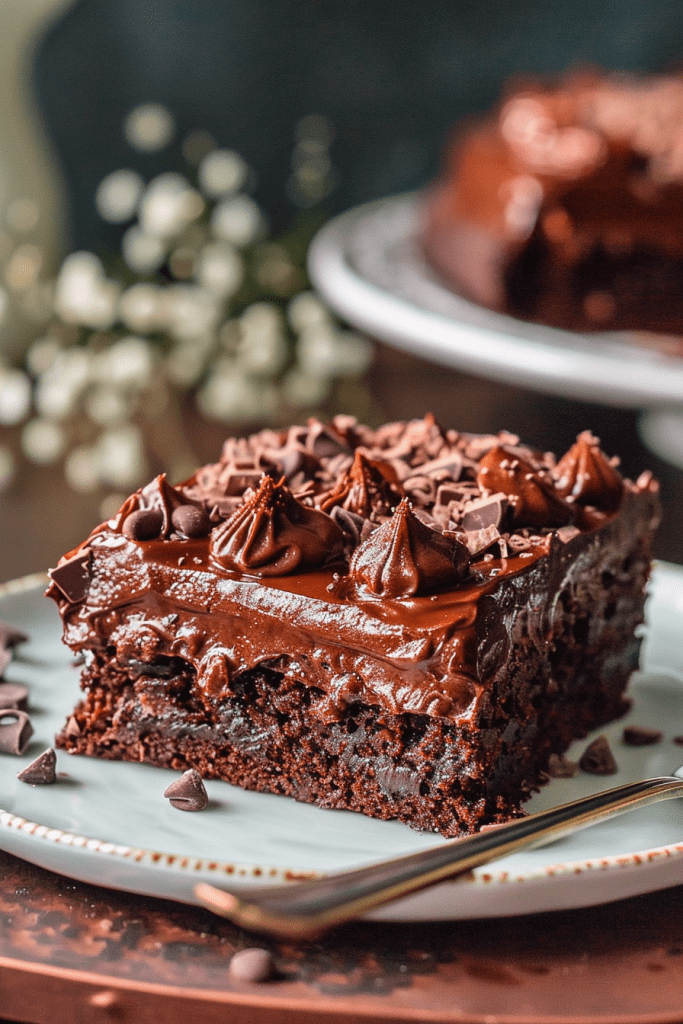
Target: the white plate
pixel 368 265
pixel 141 844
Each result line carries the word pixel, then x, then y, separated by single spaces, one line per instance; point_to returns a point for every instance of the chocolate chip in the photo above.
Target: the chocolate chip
pixel 13 696
pixel 40 772
pixel 597 758
pixel 188 793
pixel 559 767
pixel 484 512
pixel 145 524
pixel 10 636
pixel 640 736
pixel 73 576
pixel 192 521
pixel 254 965
pixel 15 731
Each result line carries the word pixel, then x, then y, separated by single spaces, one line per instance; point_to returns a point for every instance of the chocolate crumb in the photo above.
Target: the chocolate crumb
pixel 255 965
pixel 597 758
pixel 13 696
pixel 40 772
pixel 188 792
pixel 640 736
pixel 560 767
pixel 72 727
pixel 15 731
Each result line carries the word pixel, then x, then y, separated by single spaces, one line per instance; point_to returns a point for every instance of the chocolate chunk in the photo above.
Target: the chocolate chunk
pixel 640 736
pixel 192 521
pixel 559 767
pixel 10 636
pixel 484 512
pixel 479 540
pixel 254 965
pixel 322 442
pixel 40 772
pixel 145 524
pixel 13 696
pixel 188 793
pixel 72 576
pixel 72 727
pixel 597 758
pixel 15 731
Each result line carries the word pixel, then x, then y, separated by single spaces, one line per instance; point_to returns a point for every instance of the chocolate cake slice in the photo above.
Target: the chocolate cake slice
pixel 406 622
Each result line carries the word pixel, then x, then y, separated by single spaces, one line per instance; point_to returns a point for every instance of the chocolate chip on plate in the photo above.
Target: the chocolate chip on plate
pixel 597 758
pixel 188 792
pixel 255 965
pixel 10 636
pixel 560 767
pixel 42 771
pixel 14 696
pixel 640 736
pixel 15 731
pixel 144 524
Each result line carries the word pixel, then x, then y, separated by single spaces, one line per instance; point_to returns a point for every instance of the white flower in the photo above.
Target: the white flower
pixel 42 354
pixel 149 127
pixel 118 194
pixel 120 457
pixel 324 351
pixel 59 388
pixel 191 311
pixel 42 441
pixel 106 406
pixel 83 295
pixel 185 363
pixel 220 269
pixel 237 220
pixel 307 310
pixel 169 205
pixel 262 348
pixel 80 469
pixel 142 253
pixel 15 397
pixel 230 394
pixel 304 391
pixel 127 364
pixel 141 307
pixel 222 171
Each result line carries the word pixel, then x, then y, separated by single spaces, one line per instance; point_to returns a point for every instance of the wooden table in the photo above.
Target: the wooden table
pixel 71 953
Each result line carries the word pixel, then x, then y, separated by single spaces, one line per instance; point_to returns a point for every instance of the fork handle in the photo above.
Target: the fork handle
pixel 307 909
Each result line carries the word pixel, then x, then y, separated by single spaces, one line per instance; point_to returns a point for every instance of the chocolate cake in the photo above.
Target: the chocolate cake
pixel 566 206
pixel 405 621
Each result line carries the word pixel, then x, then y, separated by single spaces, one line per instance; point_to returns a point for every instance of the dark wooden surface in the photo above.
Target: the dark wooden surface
pixel 74 953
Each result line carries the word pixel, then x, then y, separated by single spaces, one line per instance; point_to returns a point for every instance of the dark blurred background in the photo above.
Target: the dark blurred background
pixel 393 77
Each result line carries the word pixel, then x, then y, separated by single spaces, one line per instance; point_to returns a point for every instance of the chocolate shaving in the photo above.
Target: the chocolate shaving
pixel 13 696
pixel 188 792
pixel 40 772
pixel 15 731
pixel 640 736
pixel 597 758
pixel 72 576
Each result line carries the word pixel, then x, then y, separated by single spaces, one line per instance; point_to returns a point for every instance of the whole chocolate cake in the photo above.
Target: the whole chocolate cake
pixel 405 621
pixel 566 205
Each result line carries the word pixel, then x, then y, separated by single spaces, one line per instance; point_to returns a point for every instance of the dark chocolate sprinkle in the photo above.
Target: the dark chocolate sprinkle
pixel 15 731
pixel 484 512
pixel 192 521
pixel 640 736
pixel 597 758
pixel 188 793
pixel 40 772
pixel 145 524
pixel 73 576
pixel 254 965
pixel 10 636
pixel 14 696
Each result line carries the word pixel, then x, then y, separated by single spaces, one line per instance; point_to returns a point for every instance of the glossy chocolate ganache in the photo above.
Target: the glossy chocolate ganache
pixel 565 205
pixel 359 561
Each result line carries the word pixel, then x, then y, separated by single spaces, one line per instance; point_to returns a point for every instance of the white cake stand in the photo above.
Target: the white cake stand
pixel 368 265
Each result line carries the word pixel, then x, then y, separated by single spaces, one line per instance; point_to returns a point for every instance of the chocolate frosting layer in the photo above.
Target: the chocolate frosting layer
pixel 586 475
pixel 273 534
pixel 404 558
